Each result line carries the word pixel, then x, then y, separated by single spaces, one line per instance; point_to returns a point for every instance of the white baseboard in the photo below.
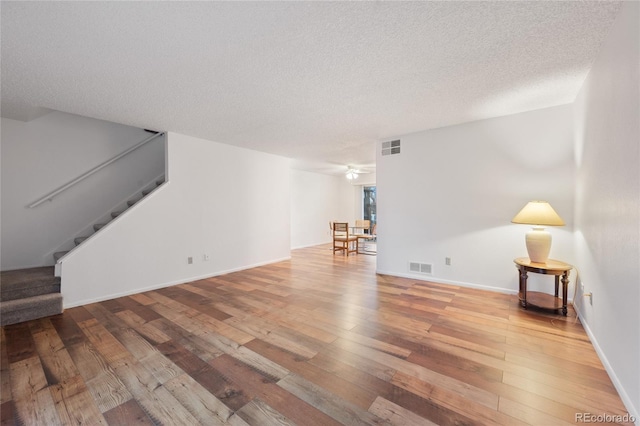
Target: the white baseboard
pixel 170 283
pixel 450 282
pixel 311 245
pixel 626 400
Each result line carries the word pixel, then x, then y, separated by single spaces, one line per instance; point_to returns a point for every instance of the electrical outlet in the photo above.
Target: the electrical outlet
pixel 205 257
pixel 447 261
pixel 590 296
pixel 189 260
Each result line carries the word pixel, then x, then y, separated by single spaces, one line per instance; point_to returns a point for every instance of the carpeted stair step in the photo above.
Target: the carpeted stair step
pixel 79 240
pixel 133 201
pixel 150 190
pixel 98 226
pixel 57 255
pixel 28 283
pixel 27 294
pixel 20 310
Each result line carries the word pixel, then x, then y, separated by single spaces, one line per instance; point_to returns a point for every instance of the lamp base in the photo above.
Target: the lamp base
pixel 538 244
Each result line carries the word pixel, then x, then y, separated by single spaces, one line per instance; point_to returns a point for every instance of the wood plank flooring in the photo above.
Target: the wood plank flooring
pixel 318 340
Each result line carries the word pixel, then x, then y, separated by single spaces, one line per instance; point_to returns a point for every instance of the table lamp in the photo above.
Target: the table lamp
pixel 539 214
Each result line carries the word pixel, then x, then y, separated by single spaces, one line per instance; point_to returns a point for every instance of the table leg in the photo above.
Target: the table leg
pixel 523 287
pixel 557 281
pixel 565 285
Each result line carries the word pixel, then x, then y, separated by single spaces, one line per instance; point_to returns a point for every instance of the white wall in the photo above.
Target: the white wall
pixel 607 208
pixel 317 199
pixel 43 154
pixel 453 191
pixel 229 203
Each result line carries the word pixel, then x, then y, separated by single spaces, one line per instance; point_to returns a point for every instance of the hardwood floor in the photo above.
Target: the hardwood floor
pixel 318 340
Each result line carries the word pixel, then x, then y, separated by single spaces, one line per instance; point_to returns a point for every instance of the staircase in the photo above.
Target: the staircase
pixel 98 226
pixel 27 294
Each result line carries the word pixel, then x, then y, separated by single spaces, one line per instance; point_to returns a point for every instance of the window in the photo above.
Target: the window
pixel 369 204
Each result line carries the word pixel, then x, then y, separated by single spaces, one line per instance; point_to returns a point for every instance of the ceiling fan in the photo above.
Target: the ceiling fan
pixel 352 172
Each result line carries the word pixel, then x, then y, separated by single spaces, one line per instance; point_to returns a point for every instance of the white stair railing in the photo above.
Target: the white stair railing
pixel 51 195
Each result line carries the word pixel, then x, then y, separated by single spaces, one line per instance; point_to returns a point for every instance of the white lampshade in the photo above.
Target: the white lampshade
pixel 539 214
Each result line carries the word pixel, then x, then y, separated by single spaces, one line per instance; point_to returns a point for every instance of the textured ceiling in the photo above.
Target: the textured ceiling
pixel 319 82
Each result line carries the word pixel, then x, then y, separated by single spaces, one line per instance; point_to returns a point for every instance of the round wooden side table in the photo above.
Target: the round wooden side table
pixel 538 299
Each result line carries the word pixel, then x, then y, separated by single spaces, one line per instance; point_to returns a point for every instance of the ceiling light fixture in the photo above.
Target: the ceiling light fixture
pixel 351 174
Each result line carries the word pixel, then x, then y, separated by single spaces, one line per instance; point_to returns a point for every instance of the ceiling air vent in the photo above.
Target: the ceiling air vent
pixel 421 268
pixel 391 147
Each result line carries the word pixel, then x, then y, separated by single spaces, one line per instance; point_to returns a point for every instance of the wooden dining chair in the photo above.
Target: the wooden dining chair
pixel 362 230
pixel 343 240
pixel 367 241
pixel 363 226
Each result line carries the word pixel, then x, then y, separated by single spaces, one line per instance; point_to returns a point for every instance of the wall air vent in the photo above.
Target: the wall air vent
pixel 391 147
pixel 421 268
